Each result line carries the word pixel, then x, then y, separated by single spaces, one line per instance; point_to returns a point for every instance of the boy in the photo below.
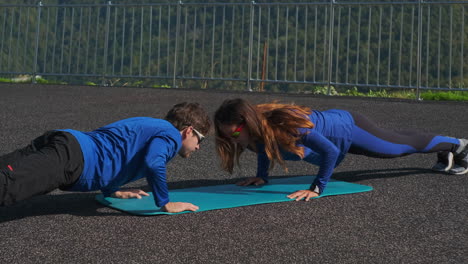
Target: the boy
pixel 106 158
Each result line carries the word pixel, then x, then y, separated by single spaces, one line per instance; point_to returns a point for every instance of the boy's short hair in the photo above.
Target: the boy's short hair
pixel 189 114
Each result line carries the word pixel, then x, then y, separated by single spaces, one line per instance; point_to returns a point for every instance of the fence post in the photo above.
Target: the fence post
pixel 39 5
pixel 249 64
pixel 106 44
pixel 418 78
pixel 330 44
pixel 179 5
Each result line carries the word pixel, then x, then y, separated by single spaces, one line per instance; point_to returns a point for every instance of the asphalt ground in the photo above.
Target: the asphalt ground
pixel 413 215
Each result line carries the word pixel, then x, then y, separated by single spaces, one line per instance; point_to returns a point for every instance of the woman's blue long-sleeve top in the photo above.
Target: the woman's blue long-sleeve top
pixel 126 151
pixel 324 145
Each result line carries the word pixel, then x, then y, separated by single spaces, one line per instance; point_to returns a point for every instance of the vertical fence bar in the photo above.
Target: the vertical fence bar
pixel 438 46
pixel 222 41
pixel 62 48
pixel 203 43
pixel 25 43
pixel 347 44
pixel 242 42
pixel 401 46
pixel 450 47
pixel 96 46
pixel 141 42
pixel 286 45
pixel 358 42
pixel 390 36
pixel 258 40
pixel 427 43
pixel 267 43
pixel 213 42
pixel 305 42
pixel 315 44
pixel 185 41
pixel 168 43
pixel 325 39
pixel 15 66
pixel 132 32
pixel 337 60
pixel 123 41
pixel 150 41
pixel 36 49
pixel 106 41
pixel 79 41
pixel 44 60
pixel 159 41
pixel 10 40
pixel 295 44
pixel 55 39
pixel 70 43
pixel 194 38
pixel 462 46
pixel 249 78
pixel 176 49
pixel 411 49
pixel 368 45
pixel 277 42
pixel 232 40
pixel 418 81
pixel 114 41
pixel 330 43
pixel 3 37
pixel 379 45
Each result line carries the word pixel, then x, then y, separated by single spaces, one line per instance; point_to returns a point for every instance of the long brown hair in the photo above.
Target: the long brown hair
pixel 273 124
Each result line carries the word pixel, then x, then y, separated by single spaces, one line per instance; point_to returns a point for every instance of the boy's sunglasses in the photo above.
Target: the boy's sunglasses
pixel 236 132
pixel 200 136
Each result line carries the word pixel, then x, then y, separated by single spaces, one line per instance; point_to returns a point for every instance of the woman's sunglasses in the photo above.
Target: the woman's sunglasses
pixel 236 132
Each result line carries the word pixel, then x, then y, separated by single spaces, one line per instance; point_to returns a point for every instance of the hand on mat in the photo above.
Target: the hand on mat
pixel 299 195
pixel 251 181
pixel 176 207
pixel 129 194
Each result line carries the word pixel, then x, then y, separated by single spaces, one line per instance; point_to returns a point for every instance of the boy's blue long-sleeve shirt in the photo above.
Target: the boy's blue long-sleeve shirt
pixel 324 145
pixel 125 151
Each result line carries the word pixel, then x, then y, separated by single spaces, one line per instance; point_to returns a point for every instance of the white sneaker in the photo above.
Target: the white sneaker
pixel 444 161
pixel 461 161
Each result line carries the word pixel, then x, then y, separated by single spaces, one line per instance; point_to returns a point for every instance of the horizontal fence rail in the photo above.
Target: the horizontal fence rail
pixel 417 45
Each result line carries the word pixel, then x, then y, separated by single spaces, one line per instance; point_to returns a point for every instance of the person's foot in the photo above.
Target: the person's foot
pixel 444 161
pixel 461 162
pixel 460 159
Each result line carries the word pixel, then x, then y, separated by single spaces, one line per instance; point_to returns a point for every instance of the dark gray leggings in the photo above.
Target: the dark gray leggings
pixel 373 141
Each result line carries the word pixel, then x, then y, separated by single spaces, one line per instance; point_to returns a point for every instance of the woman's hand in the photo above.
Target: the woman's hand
pixel 251 181
pixel 176 207
pixel 128 194
pixel 299 195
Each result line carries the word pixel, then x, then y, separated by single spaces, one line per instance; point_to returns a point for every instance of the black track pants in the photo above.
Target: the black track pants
pixel 53 160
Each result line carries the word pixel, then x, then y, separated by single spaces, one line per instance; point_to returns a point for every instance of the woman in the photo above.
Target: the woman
pixel 278 132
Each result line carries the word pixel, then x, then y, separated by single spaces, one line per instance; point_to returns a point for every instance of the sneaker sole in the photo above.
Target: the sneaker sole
pixel 459 173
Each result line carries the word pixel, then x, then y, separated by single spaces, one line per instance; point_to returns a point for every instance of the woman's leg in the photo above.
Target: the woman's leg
pixel 371 140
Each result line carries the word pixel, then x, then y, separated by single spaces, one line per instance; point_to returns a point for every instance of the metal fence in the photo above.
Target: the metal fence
pixel 403 45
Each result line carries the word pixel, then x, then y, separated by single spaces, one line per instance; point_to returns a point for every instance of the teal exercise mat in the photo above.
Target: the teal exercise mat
pixel 231 195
